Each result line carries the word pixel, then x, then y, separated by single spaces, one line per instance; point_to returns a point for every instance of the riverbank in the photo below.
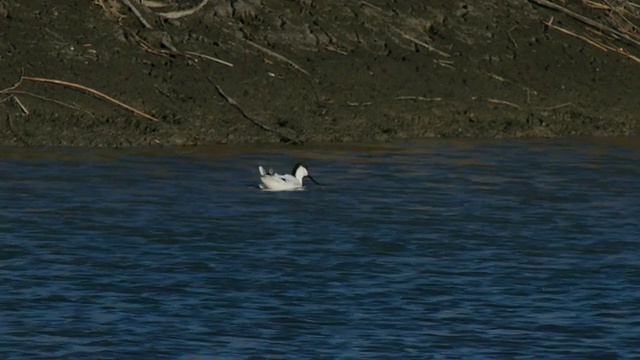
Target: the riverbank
pixel 128 73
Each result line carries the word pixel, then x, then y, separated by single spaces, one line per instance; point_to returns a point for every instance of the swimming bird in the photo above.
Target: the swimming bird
pixel 275 182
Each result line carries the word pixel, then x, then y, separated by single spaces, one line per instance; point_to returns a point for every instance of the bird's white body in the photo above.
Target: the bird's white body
pixel 272 181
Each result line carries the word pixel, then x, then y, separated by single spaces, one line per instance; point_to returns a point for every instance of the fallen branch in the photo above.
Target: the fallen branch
pixel 91 91
pixel 244 114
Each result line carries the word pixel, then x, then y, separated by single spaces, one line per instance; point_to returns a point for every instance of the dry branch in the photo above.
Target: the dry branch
pixel 244 114
pixel 91 91
pixel 50 100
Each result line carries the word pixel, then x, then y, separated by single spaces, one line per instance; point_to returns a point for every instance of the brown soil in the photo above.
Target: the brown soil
pixel 307 71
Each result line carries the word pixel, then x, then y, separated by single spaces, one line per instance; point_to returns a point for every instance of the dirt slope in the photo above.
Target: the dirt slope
pixel 308 71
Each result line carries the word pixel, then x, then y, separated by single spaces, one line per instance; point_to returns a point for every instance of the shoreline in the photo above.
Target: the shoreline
pixel 306 73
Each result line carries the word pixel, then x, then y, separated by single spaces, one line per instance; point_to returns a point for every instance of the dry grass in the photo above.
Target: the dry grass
pixel 622 15
pixel 611 25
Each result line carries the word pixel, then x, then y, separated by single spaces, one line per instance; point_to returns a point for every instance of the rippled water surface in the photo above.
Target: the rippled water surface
pixel 442 249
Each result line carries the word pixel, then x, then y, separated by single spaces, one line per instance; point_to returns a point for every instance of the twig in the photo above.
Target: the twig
pixel 417 98
pixel 444 63
pixel 416 41
pixel 601 46
pixel 278 56
pixel 583 38
pixel 24 109
pixel 209 58
pixel 51 100
pixel 625 53
pixel 137 14
pixel 376 8
pixel 153 4
pixel 14 86
pixel 91 91
pixel 182 13
pixel 558 106
pixel 235 104
pixel 371 6
pixel 15 133
pixel 147 47
pixel 515 45
pixel 12 90
pixel 503 102
pixel 633 26
pixel 500 78
pixel 351 103
pixel 585 20
pixel 166 41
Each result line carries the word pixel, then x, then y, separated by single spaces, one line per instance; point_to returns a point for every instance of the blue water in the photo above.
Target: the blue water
pixel 441 249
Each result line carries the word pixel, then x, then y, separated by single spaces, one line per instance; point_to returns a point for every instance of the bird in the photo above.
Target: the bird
pixel 272 181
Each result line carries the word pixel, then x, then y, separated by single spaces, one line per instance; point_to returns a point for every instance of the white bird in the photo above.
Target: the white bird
pixel 275 182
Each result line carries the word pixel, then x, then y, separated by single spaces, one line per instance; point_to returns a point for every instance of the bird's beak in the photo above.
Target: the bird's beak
pixel 314 180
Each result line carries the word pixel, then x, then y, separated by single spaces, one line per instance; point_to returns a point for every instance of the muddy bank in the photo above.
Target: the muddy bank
pixel 307 71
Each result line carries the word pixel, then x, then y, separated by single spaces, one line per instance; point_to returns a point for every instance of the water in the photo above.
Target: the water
pixel 443 249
